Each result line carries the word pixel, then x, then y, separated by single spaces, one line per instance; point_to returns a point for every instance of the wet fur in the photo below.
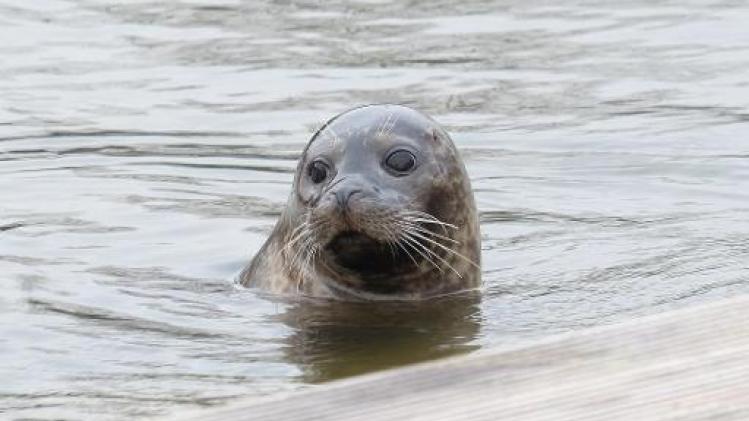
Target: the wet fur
pixel 299 257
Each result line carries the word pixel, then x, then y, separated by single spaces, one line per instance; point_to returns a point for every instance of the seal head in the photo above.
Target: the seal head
pixel 381 208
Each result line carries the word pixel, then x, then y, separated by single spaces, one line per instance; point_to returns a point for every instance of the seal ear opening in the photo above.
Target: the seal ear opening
pixel 440 136
pixel 435 136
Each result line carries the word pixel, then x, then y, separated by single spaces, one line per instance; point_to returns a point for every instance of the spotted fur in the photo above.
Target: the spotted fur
pixel 397 237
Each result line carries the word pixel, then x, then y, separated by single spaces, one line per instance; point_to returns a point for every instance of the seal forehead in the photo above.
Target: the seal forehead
pixel 380 120
pixel 354 137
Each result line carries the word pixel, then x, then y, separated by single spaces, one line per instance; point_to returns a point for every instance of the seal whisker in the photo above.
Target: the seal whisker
pixel 304 230
pixel 296 234
pixel 389 125
pixel 392 125
pixel 390 240
pixel 432 253
pixel 307 264
pixel 333 136
pixel 408 253
pixel 418 248
pixel 443 228
pixel 331 185
pixel 402 246
pixel 304 237
pixel 301 261
pixel 297 229
pixel 383 124
pixel 298 252
pixel 414 229
pixel 288 248
pixel 427 231
pixel 425 217
pixel 443 247
pixel 406 235
pixel 395 240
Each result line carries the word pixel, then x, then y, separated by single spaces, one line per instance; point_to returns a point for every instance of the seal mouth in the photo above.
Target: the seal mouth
pixel 361 253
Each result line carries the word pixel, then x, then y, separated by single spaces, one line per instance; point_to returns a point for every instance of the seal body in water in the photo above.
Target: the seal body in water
pixel 381 208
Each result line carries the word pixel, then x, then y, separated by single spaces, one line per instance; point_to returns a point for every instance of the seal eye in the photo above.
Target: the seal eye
pixel 318 171
pixel 401 161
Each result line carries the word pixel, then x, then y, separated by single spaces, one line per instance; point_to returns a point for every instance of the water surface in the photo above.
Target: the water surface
pixel 146 149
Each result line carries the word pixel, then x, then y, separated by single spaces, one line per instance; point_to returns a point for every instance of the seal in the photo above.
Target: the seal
pixel 381 208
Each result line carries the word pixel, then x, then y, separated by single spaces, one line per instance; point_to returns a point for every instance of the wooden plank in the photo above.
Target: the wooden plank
pixel 686 365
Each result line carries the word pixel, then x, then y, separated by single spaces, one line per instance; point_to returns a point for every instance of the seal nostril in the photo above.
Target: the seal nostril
pixel 344 195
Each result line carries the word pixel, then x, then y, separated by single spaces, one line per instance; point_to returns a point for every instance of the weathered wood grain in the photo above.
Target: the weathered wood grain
pixel 686 365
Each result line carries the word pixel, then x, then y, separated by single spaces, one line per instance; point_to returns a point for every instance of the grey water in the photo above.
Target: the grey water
pixel 147 147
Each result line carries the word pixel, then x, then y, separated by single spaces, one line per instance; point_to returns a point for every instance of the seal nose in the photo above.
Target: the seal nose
pixel 343 196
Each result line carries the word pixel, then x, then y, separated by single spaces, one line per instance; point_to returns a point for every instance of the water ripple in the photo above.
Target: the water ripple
pixel 147 148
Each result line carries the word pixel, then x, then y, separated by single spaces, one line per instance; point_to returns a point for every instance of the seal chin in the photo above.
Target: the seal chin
pixel 357 252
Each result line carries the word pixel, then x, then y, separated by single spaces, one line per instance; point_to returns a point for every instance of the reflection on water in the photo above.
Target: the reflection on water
pixel 146 149
pixel 336 340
